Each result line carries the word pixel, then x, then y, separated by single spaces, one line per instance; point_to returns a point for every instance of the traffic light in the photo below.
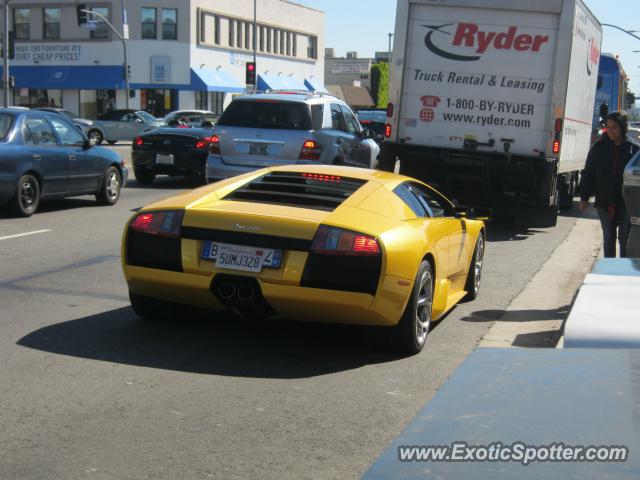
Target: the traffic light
pixel 82 16
pixel 250 74
pixel 12 45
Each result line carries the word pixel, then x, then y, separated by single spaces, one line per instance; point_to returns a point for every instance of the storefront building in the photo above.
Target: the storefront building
pixel 183 54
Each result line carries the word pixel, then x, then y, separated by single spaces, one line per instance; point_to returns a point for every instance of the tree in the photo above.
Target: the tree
pixel 380 84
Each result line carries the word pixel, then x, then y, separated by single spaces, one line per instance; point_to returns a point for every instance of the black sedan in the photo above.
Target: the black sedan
pixel 171 151
pixel 43 155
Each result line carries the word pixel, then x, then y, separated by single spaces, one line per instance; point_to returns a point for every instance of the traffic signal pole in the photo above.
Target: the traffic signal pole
pixel 124 48
pixel 5 49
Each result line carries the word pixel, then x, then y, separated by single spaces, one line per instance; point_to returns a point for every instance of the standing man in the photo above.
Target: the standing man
pixel 602 177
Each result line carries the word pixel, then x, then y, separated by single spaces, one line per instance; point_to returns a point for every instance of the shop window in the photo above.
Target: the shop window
pixel 22 23
pixel 102 30
pixel 201 100
pixel 149 21
pixel 52 22
pixel 169 24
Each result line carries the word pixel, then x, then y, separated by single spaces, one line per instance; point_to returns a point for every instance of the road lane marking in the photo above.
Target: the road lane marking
pixel 17 235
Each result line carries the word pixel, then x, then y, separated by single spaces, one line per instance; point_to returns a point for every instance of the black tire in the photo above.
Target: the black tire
pixel 154 309
pixel 96 135
pixel 475 270
pixel 111 187
pixel 27 197
pixel 144 177
pixel 112 142
pixel 410 334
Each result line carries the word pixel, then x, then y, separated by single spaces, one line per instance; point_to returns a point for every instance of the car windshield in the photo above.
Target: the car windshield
pixel 372 116
pixel 146 116
pixel 6 122
pixel 267 114
pixel 195 119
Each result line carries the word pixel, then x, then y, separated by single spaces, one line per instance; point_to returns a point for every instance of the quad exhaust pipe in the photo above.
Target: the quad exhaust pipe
pixel 246 293
pixel 241 295
pixel 227 290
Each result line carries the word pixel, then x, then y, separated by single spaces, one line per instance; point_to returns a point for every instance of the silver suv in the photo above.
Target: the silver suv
pixel 277 128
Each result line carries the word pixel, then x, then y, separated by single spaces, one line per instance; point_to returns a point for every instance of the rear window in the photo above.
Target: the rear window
pixel 302 190
pixel 6 123
pixel 267 114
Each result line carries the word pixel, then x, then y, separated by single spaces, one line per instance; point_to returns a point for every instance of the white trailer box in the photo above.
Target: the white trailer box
pixel 478 87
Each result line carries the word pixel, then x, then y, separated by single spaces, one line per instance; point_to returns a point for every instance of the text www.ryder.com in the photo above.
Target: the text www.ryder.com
pixel 485 120
pixel 516 452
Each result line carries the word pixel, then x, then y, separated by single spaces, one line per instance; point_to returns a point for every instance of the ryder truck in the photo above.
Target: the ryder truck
pixel 491 102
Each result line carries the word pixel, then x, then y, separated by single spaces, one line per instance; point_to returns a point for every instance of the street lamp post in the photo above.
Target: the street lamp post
pixel 628 32
pixel 124 49
pixel 390 36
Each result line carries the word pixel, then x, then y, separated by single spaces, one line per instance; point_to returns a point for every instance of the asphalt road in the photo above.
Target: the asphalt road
pixel 90 391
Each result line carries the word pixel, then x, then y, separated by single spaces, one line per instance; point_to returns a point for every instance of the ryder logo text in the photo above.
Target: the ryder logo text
pixel 473 36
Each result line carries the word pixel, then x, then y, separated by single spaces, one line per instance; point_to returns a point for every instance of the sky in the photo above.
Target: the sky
pixel 363 26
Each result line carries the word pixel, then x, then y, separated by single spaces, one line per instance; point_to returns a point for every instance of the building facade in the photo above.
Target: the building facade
pixel 182 54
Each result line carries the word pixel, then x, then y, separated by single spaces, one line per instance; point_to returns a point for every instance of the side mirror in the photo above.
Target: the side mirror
pixel 604 111
pixel 88 143
pixel 474 213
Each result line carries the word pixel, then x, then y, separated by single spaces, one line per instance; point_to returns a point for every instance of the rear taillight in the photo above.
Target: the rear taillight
pixel 214 145
pixel 138 141
pixel 337 241
pixel 387 130
pixel 311 150
pixel 164 223
pixel 556 140
pixel 389 110
pixel 204 142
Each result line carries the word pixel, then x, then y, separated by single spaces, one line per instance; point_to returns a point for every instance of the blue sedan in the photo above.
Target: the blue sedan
pixel 43 155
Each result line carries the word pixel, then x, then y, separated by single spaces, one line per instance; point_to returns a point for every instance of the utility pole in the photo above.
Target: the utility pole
pixel 124 48
pixel 5 49
pixel 255 36
pixel 390 35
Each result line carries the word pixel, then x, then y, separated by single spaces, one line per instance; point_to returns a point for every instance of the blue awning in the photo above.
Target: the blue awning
pixel 280 82
pixel 77 77
pixel 314 85
pixel 215 80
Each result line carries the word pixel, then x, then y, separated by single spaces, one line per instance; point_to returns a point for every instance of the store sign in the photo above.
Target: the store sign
pixel 239 58
pixel 161 69
pixel 350 67
pixel 48 53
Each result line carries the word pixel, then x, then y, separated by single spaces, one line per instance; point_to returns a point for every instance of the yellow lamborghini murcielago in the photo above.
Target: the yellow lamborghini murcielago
pixel 319 243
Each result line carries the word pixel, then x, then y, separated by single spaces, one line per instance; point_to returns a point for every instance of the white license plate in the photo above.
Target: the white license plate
pixel 238 257
pixel 164 159
pixel 258 149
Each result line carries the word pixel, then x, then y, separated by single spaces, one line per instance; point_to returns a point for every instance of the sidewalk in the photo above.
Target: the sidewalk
pixel 535 317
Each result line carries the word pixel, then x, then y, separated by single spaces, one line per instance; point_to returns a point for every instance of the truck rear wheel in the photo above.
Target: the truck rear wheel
pixel 567 190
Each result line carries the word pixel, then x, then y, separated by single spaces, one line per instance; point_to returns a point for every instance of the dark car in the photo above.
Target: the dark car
pixel 171 151
pixel 43 155
pixel 373 120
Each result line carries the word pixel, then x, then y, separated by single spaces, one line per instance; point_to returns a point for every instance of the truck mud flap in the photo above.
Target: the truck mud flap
pixel 536 217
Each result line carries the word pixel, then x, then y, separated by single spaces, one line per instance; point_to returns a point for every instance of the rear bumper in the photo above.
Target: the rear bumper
pixel 289 301
pixel 184 163
pixel 217 169
pixel 478 178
